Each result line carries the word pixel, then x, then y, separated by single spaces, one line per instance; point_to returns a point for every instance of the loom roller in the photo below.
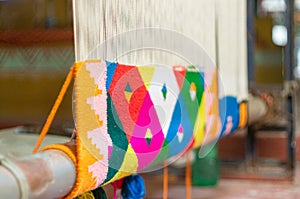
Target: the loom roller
pixel 13 175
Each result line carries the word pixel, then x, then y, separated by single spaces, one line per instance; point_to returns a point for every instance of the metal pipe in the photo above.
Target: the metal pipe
pixel 9 187
pixel 257 109
pixel 289 77
pixel 50 174
pixel 250 41
pixel 250 149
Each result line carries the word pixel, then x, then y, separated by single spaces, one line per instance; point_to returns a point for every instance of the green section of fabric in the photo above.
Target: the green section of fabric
pixel 119 140
pixel 98 193
pixel 192 86
pixel 163 155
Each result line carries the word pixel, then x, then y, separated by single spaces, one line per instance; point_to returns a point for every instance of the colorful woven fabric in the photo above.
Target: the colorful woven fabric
pixel 132 118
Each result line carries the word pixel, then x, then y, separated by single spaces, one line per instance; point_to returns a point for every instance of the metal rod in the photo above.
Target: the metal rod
pixel 250 139
pixel 50 174
pixel 250 146
pixel 250 41
pixel 289 77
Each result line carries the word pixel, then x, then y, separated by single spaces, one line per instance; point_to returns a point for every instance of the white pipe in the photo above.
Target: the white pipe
pixel 48 175
pixel 9 187
pixel 51 174
pixel 257 109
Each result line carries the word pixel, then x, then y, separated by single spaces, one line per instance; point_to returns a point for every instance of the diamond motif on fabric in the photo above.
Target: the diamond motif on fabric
pixel 193 91
pixel 180 133
pixel 164 91
pixel 128 92
pixel 148 136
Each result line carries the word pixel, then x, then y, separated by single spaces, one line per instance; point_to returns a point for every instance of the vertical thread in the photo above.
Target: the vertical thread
pixel 165 181
pixel 188 182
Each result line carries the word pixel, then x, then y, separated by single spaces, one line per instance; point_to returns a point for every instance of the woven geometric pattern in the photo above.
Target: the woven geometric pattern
pixel 130 118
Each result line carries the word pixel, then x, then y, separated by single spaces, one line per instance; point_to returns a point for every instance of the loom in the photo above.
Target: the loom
pixel 153 79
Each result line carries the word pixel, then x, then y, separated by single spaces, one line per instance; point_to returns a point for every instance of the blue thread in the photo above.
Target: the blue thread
pixel 133 187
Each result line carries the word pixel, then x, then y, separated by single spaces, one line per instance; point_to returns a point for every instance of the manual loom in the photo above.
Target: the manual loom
pixel 153 80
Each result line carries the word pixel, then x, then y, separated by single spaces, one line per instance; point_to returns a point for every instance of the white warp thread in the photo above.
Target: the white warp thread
pixel 210 23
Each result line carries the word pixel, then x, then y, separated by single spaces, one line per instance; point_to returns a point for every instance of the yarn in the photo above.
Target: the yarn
pixel 87 195
pixel 55 108
pixel 119 154
pixel 98 193
pixel 133 187
pixel 117 186
pixel 121 136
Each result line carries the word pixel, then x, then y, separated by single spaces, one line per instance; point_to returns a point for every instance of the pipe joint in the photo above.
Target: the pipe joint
pixel 18 174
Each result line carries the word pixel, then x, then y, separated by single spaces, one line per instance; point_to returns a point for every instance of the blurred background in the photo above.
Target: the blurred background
pixel 36 52
pixel 36 43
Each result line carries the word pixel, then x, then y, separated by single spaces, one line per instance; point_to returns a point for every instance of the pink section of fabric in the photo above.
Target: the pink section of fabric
pixel 98 103
pixel 99 136
pixel 110 148
pixel 99 170
pixel 102 141
pixel 147 150
pixel 98 73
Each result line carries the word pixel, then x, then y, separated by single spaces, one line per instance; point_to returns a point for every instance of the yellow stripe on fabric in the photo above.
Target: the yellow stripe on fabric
pixel 85 180
pixel 86 119
pixel 199 128
pixel 216 128
pixel 128 167
pixel 146 73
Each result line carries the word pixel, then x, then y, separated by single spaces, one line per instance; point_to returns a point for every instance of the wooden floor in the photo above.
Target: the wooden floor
pixel 225 189
pixel 230 189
